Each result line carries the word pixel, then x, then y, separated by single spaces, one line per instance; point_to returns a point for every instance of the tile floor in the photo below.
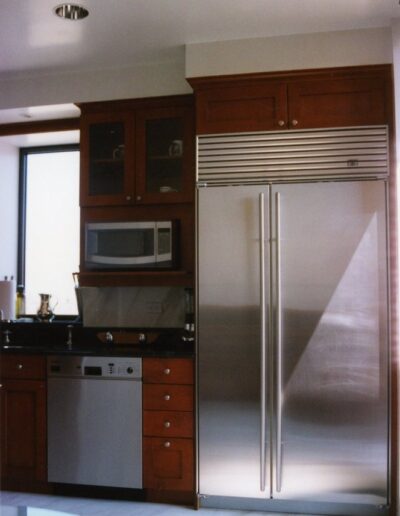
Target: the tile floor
pixel 95 507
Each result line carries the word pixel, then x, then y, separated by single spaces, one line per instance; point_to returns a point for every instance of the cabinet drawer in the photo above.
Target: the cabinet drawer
pixel 168 370
pixel 168 464
pixel 168 397
pixel 23 366
pixel 168 423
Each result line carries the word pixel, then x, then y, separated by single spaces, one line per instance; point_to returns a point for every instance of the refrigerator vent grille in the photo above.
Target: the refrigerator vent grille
pixel 354 152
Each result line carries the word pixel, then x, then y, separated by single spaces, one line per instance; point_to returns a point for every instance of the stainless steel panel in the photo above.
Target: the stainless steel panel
pixel 95 432
pixel 265 156
pixel 334 342
pixel 229 336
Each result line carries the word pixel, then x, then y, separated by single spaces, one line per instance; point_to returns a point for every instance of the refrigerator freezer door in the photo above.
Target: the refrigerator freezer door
pixel 231 419
pixel 331 365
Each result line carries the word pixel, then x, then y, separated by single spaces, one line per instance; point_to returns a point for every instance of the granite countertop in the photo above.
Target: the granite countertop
pixel 51 339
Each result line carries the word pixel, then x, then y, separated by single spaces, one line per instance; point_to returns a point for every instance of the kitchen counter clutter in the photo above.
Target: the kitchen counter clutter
pixel 71 338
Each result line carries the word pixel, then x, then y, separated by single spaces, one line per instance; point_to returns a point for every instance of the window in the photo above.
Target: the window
pixel 48 250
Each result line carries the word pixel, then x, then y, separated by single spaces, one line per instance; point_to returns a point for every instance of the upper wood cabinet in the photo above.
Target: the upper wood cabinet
pixel 137 152
pixel 298 100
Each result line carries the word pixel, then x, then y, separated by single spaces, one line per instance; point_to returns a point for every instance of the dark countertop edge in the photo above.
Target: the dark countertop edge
pixel 126 351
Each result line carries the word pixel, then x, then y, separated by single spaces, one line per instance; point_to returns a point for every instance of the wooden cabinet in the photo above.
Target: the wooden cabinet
pixel 23 420
pixel 168 425
pixel 324 98
pixel 137 152
pixel 138 164
pixel 182 275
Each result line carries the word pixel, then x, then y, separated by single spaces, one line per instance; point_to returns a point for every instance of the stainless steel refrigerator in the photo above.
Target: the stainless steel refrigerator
pixel 292 314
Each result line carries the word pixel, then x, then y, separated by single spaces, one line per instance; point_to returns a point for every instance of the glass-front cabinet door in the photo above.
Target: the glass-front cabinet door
pixel 164 155
pixel 107 156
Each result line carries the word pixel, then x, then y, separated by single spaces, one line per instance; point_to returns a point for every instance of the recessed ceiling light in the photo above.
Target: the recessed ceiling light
pixel 71 12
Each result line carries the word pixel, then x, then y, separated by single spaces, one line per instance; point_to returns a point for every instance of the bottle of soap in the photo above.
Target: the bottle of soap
pixel 20 301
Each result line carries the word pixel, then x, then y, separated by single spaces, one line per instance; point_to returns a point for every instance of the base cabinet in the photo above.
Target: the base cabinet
pixel 168 463
pixel 23 421
pixel 168 444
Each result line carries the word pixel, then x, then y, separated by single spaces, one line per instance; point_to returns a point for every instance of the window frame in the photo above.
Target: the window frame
pixel 24 153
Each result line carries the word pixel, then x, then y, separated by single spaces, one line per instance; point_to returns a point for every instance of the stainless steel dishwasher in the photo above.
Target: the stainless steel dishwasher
pixel 95 420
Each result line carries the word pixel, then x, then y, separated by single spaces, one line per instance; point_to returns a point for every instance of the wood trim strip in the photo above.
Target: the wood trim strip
pixel 199 83
pixel 41 126
pixel 111 106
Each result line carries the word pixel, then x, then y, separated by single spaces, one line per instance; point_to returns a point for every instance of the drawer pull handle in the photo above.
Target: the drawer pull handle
pixel 20 366
pixel 167 397
pixel 167 371
pixel 167 444
pixel 294 122
pixel 281 123
pixel 167 424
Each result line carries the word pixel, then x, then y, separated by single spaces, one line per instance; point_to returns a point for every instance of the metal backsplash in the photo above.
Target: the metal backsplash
pixel 133 307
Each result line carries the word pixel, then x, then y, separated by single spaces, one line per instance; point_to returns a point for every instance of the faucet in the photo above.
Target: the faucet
pixel 6 334
pixel 109 337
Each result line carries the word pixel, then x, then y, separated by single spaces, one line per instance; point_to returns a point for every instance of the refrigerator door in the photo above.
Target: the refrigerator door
pixel 232 423
pixel 331 350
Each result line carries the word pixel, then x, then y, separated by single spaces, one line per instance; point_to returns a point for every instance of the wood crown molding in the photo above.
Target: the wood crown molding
pixel 199 83
pixel 41 126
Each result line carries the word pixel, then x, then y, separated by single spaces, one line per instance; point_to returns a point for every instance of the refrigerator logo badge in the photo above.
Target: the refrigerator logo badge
pixel 351 163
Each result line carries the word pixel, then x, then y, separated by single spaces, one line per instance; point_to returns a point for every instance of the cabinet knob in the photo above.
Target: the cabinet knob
pixel 167 397
pixel 138 197
pixel 294 122
pixel 128 198
pixel 20 366
pixel 167 371
pixel 167 424
pixel 281 123
pixel 1 385
pixel 167 444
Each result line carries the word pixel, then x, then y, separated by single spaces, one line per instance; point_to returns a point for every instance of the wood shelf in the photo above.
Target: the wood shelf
pixel 137 278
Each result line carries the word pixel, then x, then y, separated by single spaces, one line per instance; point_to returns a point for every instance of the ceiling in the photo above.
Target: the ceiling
pixel 122 33
pixel 126 33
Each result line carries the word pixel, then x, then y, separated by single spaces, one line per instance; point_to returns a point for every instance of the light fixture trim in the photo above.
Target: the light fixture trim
pixel 73 12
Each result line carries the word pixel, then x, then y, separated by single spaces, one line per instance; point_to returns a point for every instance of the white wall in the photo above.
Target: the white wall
pixel 123 83
pixel 318 50
pixel 9 163
pixel 296 52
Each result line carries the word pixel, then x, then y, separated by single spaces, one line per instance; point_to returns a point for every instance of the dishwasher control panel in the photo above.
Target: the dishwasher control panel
pixel 94 367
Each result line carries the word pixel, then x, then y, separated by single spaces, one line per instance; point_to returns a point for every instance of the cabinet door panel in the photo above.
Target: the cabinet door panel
pixel 164 155
pixel 23 436
pixel 242 107
pixel 168 464
pixel 337 102
pixel 107 160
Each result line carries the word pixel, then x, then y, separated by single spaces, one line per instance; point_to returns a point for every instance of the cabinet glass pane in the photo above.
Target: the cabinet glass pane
pixel 164 151
pixel 106 169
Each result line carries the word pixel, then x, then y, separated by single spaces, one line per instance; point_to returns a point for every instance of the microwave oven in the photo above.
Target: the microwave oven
pixel 131 245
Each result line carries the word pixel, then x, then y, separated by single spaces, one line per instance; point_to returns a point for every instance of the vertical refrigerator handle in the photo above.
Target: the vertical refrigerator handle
pixel 262 341
pixel 278 333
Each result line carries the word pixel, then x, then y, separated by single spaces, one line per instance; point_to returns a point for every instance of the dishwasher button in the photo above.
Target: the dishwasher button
pixel 129 370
